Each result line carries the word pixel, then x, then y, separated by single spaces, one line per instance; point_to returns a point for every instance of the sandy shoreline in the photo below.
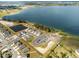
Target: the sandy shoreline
pixel 13 11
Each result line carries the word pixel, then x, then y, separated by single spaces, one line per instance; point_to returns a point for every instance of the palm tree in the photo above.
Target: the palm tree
pixel 1 55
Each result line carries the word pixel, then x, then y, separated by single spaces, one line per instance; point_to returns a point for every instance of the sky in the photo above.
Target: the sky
pixel 39 0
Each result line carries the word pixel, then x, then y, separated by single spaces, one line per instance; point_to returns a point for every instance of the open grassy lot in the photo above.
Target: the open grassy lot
pixel 62 52
pixel 66 48
pixel 72 42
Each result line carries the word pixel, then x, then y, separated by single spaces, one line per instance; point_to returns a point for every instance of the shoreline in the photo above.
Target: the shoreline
pixel 13 11
pixel 51 28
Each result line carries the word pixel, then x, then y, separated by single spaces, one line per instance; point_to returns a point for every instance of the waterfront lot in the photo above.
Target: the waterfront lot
pixel 41 42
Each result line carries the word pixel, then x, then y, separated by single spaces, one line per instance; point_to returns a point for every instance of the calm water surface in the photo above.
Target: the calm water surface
pixel 65 18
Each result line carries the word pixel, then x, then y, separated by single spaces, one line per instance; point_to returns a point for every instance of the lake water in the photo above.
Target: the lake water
pixel 65 18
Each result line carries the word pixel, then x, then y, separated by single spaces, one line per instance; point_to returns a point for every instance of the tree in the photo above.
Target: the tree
pixel 1 55
pixel 63 55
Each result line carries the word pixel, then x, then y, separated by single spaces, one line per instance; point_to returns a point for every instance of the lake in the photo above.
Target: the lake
pixel 65 18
